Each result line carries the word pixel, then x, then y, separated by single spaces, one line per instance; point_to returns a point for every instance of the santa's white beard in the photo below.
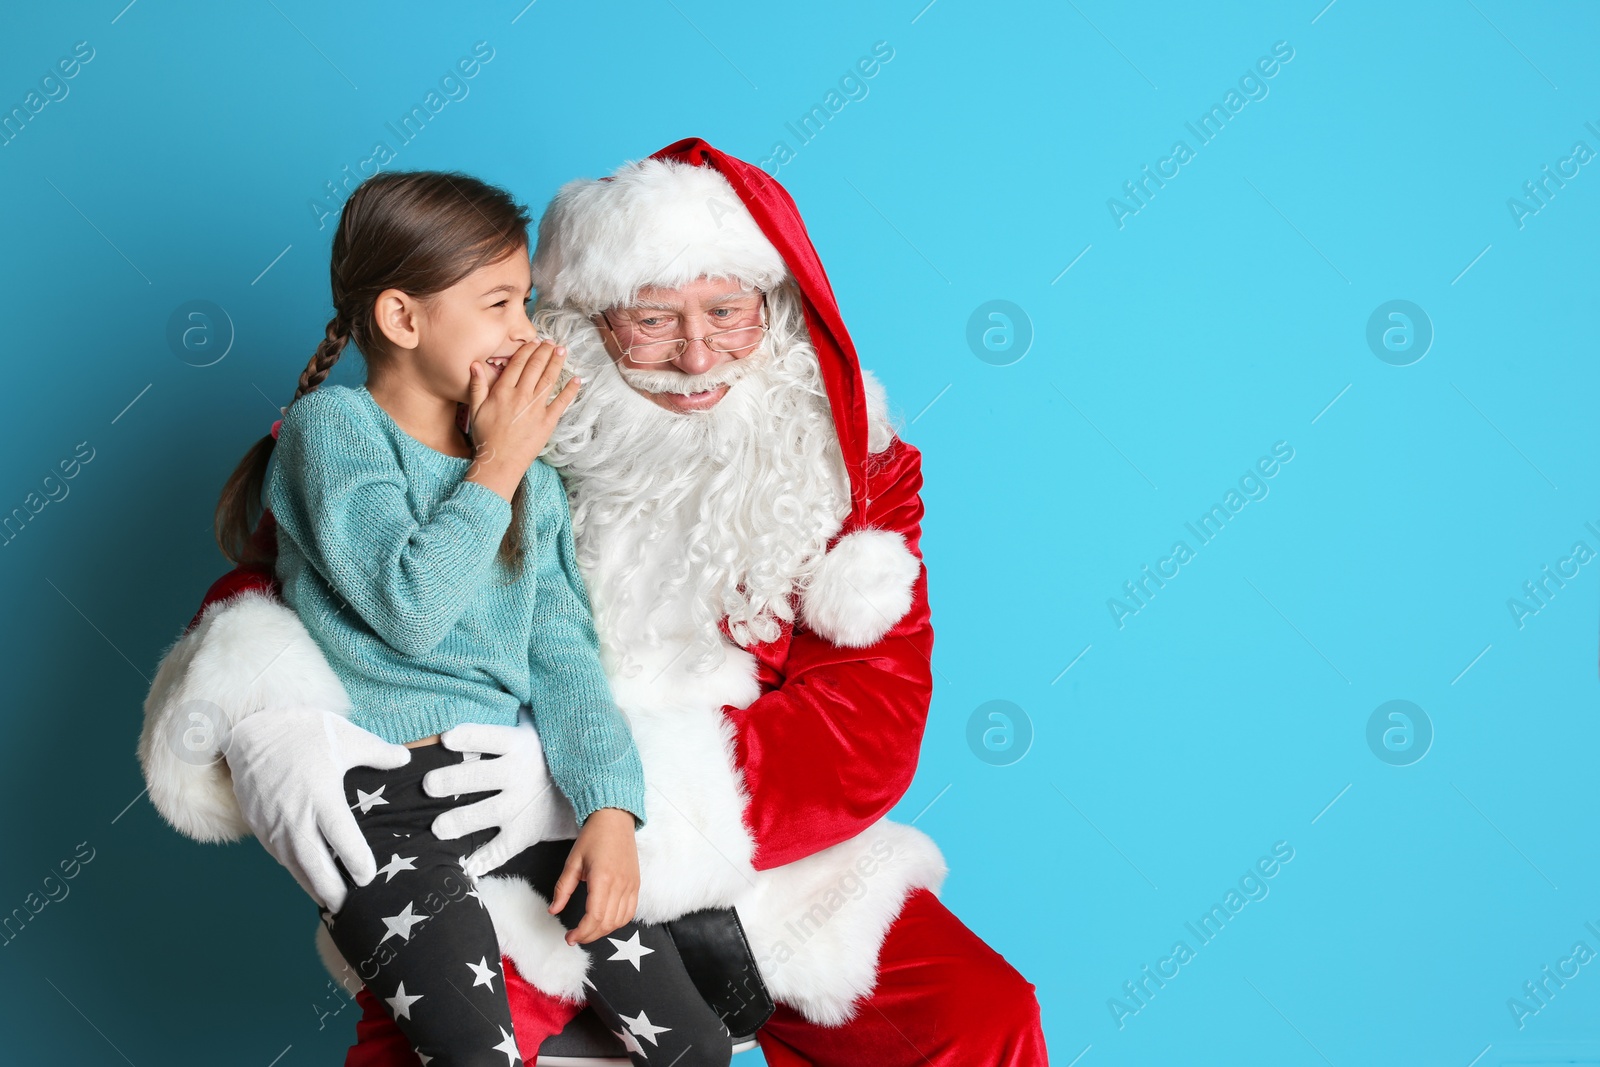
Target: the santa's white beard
pixel 705 515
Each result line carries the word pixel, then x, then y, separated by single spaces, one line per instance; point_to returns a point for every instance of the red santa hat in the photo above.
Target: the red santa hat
pixel 690 211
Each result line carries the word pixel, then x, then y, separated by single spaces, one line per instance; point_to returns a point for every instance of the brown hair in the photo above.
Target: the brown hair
pixel 416 231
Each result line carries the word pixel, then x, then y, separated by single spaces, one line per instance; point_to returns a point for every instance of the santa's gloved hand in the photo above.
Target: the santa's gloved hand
pixel 528 808
pixel 288 774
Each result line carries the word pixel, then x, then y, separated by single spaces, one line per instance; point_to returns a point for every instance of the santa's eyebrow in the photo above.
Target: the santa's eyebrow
pixel 653 305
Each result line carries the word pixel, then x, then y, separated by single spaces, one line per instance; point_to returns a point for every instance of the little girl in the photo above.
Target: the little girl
pixel 435 568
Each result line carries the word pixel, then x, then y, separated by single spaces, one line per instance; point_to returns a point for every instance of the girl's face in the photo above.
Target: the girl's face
pixel 482 318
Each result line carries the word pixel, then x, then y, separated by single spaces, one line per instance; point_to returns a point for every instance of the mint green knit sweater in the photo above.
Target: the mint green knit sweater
pixel 388 555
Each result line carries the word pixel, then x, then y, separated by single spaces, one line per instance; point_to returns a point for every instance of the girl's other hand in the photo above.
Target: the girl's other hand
pixel 606 857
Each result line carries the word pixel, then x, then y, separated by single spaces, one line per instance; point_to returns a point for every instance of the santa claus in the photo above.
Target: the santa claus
pixel 747 521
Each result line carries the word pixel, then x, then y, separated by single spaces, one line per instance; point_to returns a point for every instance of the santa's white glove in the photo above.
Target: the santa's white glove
pixel 528 808
pixel 288 771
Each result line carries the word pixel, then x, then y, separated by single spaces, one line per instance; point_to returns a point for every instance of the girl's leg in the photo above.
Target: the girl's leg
pixel 417 934
pixel 637 982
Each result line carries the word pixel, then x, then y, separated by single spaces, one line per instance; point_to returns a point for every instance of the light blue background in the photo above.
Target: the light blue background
pixel 1228 314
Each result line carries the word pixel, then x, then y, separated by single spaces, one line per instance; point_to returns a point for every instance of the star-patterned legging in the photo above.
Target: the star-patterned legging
pixel 421 939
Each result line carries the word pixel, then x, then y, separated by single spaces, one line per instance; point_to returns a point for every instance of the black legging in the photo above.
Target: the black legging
pixel 421 939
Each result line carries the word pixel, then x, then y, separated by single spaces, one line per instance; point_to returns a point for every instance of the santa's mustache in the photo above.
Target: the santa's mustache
pixel 669 381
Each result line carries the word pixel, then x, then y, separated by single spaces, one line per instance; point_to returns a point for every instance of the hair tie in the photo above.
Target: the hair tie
pixel 275 428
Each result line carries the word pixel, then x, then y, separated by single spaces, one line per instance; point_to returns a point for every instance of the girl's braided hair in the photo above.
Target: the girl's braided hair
pixel 416 231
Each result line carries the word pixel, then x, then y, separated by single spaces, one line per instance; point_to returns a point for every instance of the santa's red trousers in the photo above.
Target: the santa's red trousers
pixel 943 999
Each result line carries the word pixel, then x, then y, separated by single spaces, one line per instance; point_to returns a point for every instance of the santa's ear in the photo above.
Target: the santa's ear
pixel 862 588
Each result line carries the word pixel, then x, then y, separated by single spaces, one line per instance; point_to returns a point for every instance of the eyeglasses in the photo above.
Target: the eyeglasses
pixel 734 341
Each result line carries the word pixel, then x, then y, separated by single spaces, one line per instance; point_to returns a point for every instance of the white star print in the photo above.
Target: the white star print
pixel 484 973
pixel 426 1059
pixel 508 1045
pixel 401 1004
pixel 630 950
pixel 401 924
pixel 629 1042
pixel 590 984
pixel 641 1026
pixel 395 866
pixel 367 801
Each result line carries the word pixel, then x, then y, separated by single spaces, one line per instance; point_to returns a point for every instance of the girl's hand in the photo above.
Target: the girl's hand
pixel 511 417
pixel 606 857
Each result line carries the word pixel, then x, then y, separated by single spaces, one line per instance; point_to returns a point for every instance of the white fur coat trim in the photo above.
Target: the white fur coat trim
pixel 816 925
pixel 248 653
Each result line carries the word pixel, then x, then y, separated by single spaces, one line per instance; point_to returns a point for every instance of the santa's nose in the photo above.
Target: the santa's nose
pixel 697 357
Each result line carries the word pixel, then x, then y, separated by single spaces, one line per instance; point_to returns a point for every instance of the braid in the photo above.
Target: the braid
pixel 236 518
pixel 326 355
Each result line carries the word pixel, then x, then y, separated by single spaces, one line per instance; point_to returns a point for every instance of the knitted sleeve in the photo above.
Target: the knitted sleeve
pixel 587 742
pixel 340 495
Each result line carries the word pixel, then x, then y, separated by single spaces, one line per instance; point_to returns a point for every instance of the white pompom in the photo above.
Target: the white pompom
pixel 861 589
